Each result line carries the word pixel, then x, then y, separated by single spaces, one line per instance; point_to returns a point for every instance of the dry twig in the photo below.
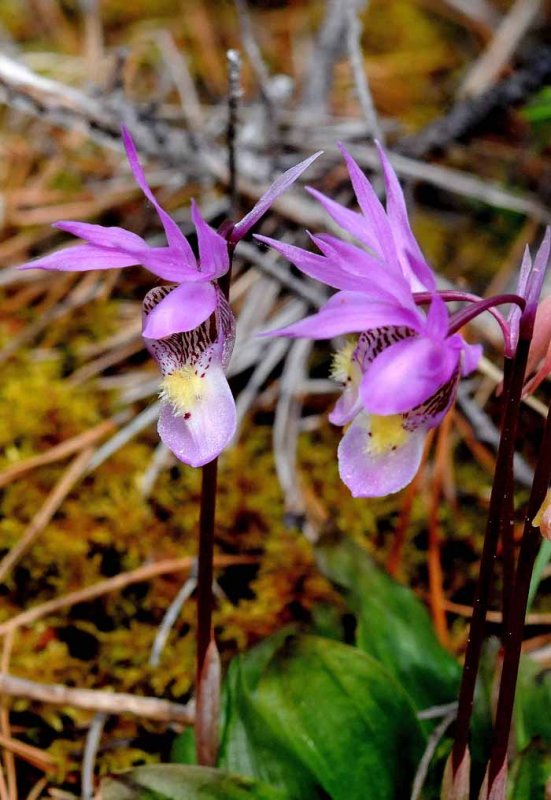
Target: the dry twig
pixel 94 700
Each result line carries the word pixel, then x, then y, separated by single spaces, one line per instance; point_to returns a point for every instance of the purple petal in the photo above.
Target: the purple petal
pixel 214 260
pixel 406 374
pixel 350 312
pixel 269 197
pixel 200 437
pixel 537 274
pixel 174 235
pixel 522 287
pixel 182 310
pixel 376 219
pixel 350 221
pixel 418 273
pixel 437 318
pixel 319 267
pixel 356 261
pixel 376 475
pixel 471 355
pixel 83 257
pixel 399 222
pixel 165 262
pixel 347 406
pixel 119 238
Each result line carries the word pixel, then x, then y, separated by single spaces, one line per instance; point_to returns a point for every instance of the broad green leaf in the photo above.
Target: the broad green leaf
pixel 177 782
pixel 320 719
pixel 393 626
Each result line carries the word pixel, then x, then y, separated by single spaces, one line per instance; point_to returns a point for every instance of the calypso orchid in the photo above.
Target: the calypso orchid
pixel 188 326
pixel 401 373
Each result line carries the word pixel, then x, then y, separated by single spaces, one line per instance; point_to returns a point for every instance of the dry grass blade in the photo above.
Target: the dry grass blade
pixel 33 755
pixel 117 583
pixel 93 738
pixel 353 37
pixel 287 426
pixel 9 761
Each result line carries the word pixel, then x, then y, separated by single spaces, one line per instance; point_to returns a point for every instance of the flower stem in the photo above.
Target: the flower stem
pixel 500 504
pixel 506 533
pixel 210 471
pixel 205 559
pixel 513 635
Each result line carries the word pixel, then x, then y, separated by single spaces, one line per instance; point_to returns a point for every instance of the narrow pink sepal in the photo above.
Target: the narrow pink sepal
pixel 277 188
pixel 174 235
pixel 214 259
pixel 83 257
pixel 399 221
pixel 537 273
pixel 349 312
pixel 350 221
pixel 103 236
pixel 375 218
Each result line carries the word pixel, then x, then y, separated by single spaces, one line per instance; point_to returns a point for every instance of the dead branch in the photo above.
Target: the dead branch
pixel 95 700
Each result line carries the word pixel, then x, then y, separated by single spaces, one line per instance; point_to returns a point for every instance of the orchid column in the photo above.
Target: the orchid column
pixel 189 329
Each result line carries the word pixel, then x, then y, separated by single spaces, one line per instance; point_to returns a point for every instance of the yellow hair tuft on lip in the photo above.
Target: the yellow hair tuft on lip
pixel 385 433
pixel 183 389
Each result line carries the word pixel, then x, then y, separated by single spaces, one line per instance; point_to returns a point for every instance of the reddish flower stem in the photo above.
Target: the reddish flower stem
pixel 506 533
pixel 207 512
pixel 500 504
pixel 205 562
pixel 514 632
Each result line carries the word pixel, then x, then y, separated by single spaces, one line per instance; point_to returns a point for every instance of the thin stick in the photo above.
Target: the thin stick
pixel 9 762
pixel 38 758
pixel 95 700
pixel 118 582
pixel 432 744
pixel 234 79
pixel 513 640
pixel 47 511
pixel 93 738
pixel 353 37
pixel 38 788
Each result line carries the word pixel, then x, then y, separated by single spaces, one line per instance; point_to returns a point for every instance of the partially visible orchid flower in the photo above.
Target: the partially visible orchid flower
pixel 188 326
pixel 539 355
pixel 401 374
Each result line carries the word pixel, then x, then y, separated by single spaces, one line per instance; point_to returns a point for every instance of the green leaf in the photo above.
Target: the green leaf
pixel 542 560
pixel 177 782
pixel 393 626
pixel 529 774
pixel 319 719
pixel 532 704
